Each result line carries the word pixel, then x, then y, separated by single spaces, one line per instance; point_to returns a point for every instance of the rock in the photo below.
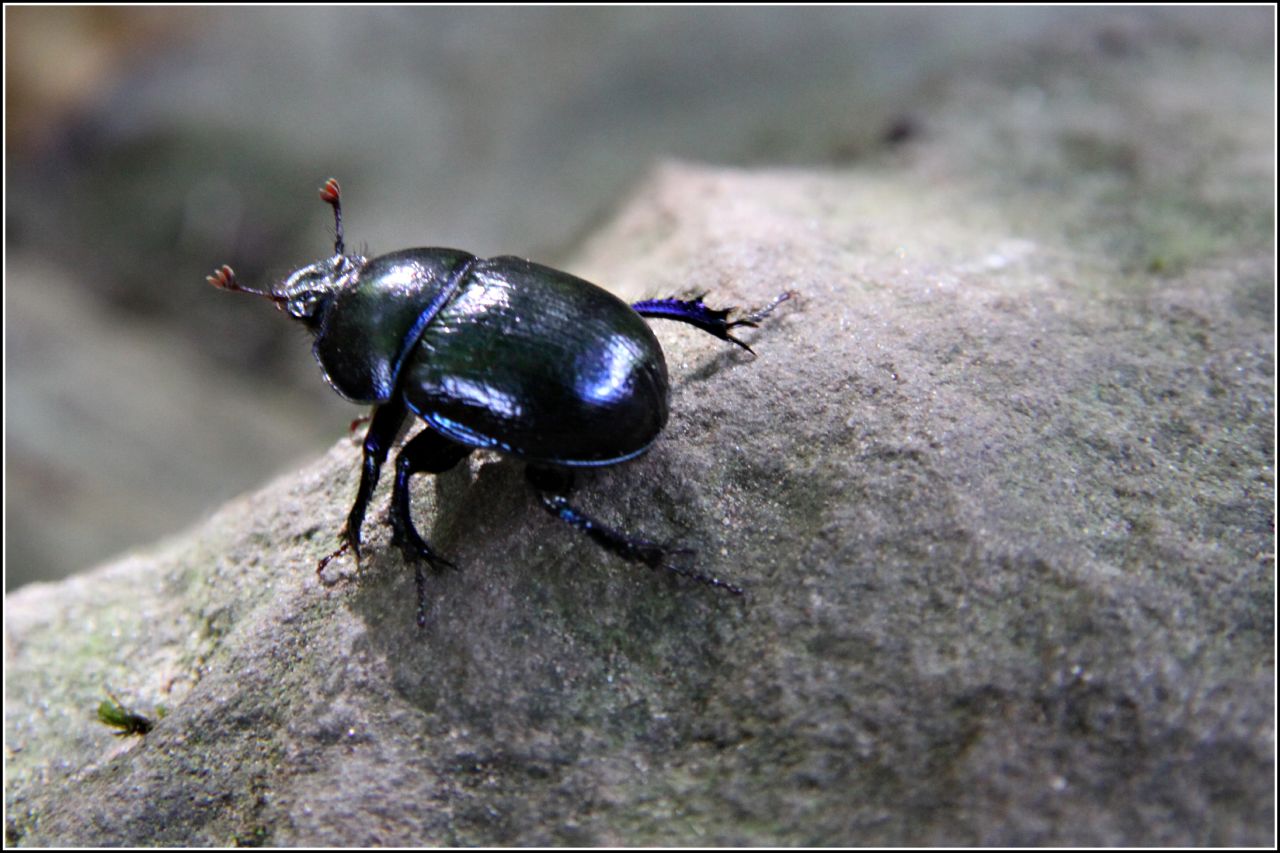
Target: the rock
pixel 1001 505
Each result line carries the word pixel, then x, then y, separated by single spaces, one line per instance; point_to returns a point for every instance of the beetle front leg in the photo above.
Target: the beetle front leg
pixel 712 321
pixel 383 429
pixel 428 452
pixel 553 486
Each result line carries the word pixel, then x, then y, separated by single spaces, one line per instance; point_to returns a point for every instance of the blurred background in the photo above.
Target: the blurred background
pixel 147 146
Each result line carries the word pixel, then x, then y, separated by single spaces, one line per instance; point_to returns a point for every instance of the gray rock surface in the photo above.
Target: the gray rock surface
pixel 1001 501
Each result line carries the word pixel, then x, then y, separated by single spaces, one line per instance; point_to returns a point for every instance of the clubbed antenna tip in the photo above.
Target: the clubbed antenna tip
pixel 224 278
pixel 331 194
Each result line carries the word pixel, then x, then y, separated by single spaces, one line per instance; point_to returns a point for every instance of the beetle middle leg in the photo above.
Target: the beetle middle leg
pixel 710 320
pixel 553 486
pixel 428 452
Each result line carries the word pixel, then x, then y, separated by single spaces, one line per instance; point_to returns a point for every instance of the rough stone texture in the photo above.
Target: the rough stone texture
pixel 999 484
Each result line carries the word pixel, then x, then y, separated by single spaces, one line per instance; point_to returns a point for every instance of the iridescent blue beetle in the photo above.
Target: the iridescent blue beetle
pixel 501 354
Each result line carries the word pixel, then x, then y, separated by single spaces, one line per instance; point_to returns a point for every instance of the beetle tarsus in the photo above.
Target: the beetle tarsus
pixel 342 549
pixel 679 568
pixel 713 321
pixel 754 318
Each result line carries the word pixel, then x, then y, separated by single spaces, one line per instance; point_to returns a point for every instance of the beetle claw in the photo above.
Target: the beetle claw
pixel 416 550
pixel 348 544
pixel 356 424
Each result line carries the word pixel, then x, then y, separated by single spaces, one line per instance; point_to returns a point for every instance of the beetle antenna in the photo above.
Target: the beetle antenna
pixel 331 194
pixel 224 278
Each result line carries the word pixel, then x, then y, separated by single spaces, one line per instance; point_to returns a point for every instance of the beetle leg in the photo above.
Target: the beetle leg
pixel 553 486
pixel 431 453
pixel 385 426
pixel 713 321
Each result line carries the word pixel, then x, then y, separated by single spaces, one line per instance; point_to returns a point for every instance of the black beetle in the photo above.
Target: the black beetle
pixel 501 354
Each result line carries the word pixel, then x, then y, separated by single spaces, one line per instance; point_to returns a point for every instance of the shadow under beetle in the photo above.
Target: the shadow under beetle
pixel 501 354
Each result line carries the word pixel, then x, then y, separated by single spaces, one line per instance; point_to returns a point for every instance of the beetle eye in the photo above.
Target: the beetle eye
pixel 303 306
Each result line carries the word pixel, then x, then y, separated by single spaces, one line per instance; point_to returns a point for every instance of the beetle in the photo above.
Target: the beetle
pixel 501 354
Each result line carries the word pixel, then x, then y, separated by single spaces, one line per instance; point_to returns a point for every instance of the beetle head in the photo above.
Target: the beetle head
pixel 306 292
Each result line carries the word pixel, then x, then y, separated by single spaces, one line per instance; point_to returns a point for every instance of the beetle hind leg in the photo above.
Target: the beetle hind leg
pixel 553 486
pixel 710 320
pixel 428 452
